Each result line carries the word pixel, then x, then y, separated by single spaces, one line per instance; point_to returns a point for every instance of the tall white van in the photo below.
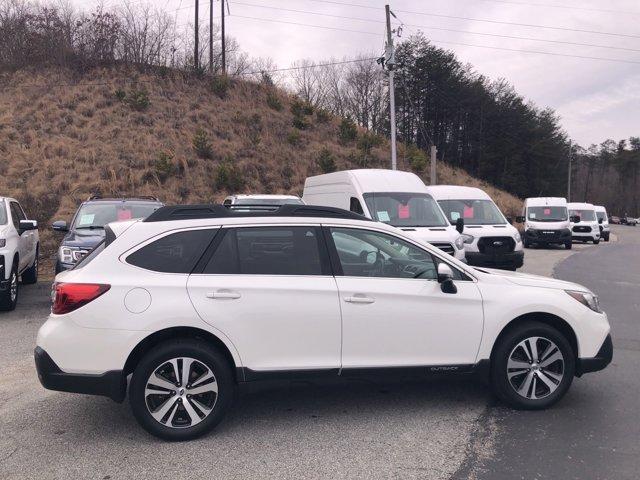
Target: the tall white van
pixel 393 197
pixel 603 219
pixel 489 239
pixel 546 222
pixel 588 228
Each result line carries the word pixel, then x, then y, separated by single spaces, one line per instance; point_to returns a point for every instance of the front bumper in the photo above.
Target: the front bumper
pixel 548 236
pixel 498 260
pixel 110 384
pixel 599 362
pixel 61 267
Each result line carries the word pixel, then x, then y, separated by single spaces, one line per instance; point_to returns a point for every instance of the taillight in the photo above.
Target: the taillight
pixel 68 297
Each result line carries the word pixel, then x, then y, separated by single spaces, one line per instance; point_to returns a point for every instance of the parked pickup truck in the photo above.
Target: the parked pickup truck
pixel 19 246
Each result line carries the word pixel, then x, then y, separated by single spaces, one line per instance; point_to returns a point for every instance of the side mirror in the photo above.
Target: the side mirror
pixel 600 220
pixel 520 219
pixel 26 225
pixel 445 279
pixel 460 225
pixel 574 218
pixel 60 226
pixel 510 220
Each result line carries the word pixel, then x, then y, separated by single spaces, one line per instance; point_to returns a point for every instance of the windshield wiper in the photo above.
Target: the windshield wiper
pixel 91 227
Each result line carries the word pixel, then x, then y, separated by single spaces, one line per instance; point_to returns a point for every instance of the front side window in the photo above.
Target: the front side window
pixel 474 212
pixel 16 214
pixel 96 215
pixel 585 215
pixel 3 213
pixel 175 253
pixel 364 253
pixel 405 209
pixel 547 214
pixel 267 251
pixel 602 216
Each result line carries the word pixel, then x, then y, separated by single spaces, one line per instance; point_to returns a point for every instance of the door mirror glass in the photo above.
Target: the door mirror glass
pixel 574 218
pixel 26 225
pixel 60 226
pixel 460 225
pixel 520 219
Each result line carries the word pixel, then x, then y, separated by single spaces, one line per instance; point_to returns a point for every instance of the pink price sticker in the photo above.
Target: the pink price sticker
pixel 468 212
pixel 547 211
pixel 124 214
pixel 404 212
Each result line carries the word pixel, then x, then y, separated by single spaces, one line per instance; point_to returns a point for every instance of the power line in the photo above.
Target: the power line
pixel 306 25
pixel 564 7
pixel 315 65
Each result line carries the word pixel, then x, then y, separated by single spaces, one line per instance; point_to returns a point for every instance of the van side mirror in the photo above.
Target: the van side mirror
pixel 600 220
pixel 574 218
pixel 26 225
pixel 460 225
pixel 520 219
pixel 445 279
pixel 60 226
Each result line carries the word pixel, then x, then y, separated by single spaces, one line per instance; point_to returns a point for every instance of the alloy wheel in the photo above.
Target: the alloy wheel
pixel 535 368
pixel 181 392
pixel 13 288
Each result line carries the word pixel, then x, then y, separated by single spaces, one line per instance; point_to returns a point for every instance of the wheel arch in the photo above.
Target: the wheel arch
pixel 173 333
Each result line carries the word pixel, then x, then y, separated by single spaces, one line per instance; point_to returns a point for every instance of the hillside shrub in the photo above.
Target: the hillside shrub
pixel 301 122
pixel 229 177
pixel 202 145
pixel 322 116
pixel 273 101
pixel 120 94
pixel 138 100
pixel 417 158
pixel 326 161
pixel 347 131
pixel 294 138
pixel 164 166
pixel 220 85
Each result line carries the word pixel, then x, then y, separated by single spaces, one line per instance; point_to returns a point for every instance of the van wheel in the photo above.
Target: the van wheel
pixel 9 296
pixel 525 243
pixel 532 367
pixel 181 389
pixel 606 237
pixel 568 245
pixel 596 242
pixel 30 275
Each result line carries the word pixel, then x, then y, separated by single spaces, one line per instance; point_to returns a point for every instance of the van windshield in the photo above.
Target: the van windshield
pixel 585 215
pixel 474 212
pixel 547 214
pixel 405 209
pixel 95 215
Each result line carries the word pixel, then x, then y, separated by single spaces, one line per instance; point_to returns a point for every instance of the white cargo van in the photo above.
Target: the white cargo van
pixel 267 200
pixel 588 228
pixel 393 197
pixel 546 222
pixel 603 219
pixel 490 240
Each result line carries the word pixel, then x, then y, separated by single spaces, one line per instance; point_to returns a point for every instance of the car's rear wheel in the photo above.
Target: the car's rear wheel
pixel 181 389
pixel 9 296
pixel 30 275
pixel 532 367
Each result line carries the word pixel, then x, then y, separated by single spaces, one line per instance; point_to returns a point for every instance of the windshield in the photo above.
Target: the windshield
pixel 585 215
pixel 474 212
pixel 97 215
pixel 405 209
pixel 268 201
pixel 602 216
pixel 3 213
pixel 547 214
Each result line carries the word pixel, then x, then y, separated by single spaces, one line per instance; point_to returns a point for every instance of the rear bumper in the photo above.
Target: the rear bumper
pixel 61 267
pixel 599 362
pixel 501 260
pixel 110 384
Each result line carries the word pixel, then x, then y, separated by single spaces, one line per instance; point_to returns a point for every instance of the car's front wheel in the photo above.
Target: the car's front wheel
pixel 532 367
pixel 9 296
pixel 181 389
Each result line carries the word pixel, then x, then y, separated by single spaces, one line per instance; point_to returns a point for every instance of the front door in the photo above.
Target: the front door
pixel 394 312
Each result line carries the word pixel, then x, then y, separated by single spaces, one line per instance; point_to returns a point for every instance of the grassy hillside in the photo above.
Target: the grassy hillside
pixel 184 139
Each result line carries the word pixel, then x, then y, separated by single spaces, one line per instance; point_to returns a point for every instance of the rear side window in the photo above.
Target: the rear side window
pixel 268 251
pixel 175 253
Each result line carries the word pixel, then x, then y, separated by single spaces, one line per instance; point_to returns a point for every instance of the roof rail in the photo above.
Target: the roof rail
pixel 194 212
pixel 134 197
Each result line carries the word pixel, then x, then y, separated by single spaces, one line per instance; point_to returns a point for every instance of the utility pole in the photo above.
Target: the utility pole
pixel 390 63
pixel 224 42
pixel 432 176
pixel 210 36
pixel 569 173
pixel 196 50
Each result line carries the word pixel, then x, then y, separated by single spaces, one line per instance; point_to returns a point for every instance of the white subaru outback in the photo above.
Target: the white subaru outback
pixel 195 300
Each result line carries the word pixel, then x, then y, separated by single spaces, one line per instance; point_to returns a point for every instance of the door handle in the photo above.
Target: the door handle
pixel 223 295
pixel 359 299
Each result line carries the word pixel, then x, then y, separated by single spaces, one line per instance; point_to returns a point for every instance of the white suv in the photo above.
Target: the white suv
pixel 197 299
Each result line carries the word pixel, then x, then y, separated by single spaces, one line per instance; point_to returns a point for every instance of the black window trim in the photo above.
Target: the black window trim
pixel 325 258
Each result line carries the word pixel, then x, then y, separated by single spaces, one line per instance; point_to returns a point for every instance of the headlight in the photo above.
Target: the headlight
pixel 3 242
pixel 518 237
pixel 587 299
pixel 71 254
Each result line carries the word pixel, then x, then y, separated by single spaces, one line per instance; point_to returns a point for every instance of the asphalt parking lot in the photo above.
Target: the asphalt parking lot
pixel 432 429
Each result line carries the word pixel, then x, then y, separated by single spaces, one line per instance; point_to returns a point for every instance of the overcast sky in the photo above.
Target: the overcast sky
pixel 596 99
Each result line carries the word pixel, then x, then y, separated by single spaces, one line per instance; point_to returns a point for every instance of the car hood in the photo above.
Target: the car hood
pixel 528 280
pixel 83 238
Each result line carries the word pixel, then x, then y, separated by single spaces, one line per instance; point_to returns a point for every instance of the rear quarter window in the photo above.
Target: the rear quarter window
pixel 175 253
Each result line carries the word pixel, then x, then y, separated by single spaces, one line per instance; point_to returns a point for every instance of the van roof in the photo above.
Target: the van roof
pixel 580 206
pixel 546 202
pixel 265 196
pixel 457 192
pixel 372 180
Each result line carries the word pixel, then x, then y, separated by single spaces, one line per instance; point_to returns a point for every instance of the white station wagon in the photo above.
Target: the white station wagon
pixel 195 300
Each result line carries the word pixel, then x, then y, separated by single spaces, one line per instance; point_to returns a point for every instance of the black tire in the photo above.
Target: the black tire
pixel 500 382
pixel 568 245
pixel 596 242
pixel 606 237
pixel 204 353
pixel 525 243
pixel 7 303
pixel 30 275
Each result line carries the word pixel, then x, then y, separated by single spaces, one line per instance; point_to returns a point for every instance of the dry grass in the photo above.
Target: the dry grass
pixel 59 145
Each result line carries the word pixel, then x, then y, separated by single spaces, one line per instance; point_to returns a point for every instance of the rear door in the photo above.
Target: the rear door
pixel 24 240
pixel 269 289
